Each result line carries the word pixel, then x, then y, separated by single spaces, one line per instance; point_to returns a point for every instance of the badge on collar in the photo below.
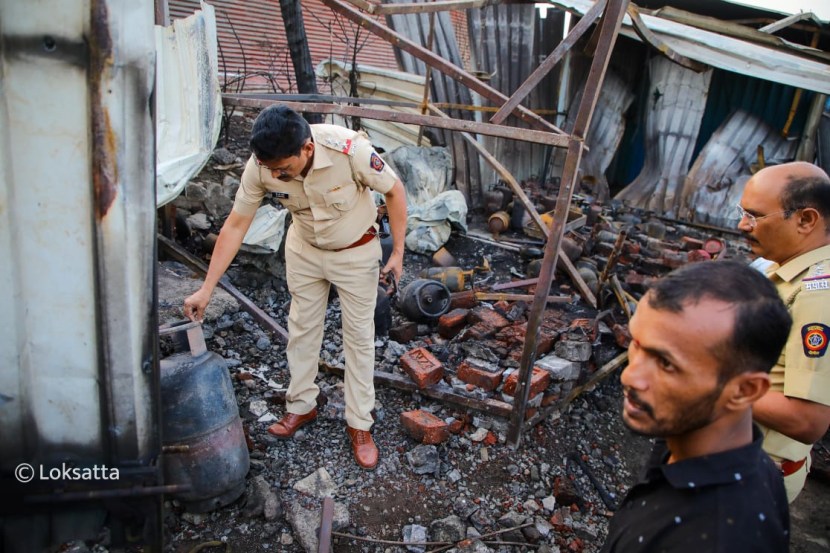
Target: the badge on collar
pixel 814 339
pixel 376 162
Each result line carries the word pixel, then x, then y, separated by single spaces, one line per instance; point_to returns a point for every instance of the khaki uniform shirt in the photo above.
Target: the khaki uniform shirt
pixel 803 370
pixel 332 206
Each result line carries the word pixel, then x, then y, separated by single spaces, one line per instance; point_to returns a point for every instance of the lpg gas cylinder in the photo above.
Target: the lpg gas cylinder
pixel 203 442
pixel 424 300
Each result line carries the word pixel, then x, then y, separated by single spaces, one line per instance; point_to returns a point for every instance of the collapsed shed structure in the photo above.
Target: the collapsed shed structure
pixel 646 117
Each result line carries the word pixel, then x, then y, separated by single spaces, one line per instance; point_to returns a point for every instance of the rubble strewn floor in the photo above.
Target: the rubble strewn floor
pixel 555 492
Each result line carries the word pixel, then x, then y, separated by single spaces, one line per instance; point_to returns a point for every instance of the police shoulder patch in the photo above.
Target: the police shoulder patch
pixel 814 339
pixel 376 163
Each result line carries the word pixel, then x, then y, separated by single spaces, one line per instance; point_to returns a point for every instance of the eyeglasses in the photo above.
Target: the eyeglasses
pixel 753 219
pixel 281 171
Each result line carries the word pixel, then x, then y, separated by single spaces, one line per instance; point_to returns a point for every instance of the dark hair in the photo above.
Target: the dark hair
pixel 761 324
pixel 812 191
pixel 279 132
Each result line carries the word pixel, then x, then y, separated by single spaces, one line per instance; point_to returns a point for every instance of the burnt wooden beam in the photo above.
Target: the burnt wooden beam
pixel 550 62
pixel 458 125
pixel 607 37
pixel 491 406
pixel 437 62
pixel 180 254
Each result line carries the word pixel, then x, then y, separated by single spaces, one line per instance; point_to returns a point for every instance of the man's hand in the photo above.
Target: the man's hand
pixel 394 266
pixel 195 305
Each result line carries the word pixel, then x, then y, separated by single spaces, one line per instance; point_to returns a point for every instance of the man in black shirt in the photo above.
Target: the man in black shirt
pixel 704 339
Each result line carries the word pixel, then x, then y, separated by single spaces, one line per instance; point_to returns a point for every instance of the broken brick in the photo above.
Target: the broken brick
pixel 539 380
pixel 473 372
pixel 487 316
pixel 463 300
pixel 422 367
pixel 452 323
pixel 425 427
pixel 587 327
pixel 404 333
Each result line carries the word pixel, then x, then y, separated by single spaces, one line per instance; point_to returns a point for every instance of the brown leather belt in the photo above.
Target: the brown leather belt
pixel 791 467
pixel 367 237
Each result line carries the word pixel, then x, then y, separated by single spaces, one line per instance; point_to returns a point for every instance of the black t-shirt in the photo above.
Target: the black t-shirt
pixel 726 502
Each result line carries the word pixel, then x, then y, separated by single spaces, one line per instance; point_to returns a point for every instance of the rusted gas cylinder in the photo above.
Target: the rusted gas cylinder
pixel 203 442
pixel 424 300
pixel 498 222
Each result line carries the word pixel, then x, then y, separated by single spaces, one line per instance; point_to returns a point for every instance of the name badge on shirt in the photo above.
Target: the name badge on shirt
pixel 281 195
pixel 816 283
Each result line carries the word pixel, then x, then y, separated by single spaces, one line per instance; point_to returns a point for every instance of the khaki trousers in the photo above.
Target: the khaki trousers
pixel 310 272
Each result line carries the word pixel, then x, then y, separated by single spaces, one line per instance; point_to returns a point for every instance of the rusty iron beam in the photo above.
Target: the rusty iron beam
pixel 550 62
pixel 438 6
pixel 427 77
pixel 437 62
pixel 607 37
pixel 326 525
pixel 400 382
pixel 458 125
pixel 650 38
pixel 184 256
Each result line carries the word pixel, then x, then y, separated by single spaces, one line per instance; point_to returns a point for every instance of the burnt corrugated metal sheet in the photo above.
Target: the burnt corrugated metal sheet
pixel 253 51
pixel 676 100
pixel 443 89
pixel 508 42
pixel 717 178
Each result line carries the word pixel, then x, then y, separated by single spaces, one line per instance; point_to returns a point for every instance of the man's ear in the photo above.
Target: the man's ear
pixel 745 389
pixel 808 219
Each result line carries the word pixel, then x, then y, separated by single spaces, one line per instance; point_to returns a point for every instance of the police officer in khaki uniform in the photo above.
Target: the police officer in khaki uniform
pixel 785 212
pixel 325 175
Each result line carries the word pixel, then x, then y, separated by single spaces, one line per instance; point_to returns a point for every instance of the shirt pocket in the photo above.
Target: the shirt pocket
pixel 341 198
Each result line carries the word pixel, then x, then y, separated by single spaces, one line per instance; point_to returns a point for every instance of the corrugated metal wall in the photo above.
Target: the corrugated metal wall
pixel 508 42
pixel 443 89
pixel 253 51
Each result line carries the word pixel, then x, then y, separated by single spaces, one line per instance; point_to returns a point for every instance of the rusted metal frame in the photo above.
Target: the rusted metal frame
pixel 491 406
pixel 603 372
pixel 437 62
pixel 609 30
pixel 439 6
pixel 427 77
pixel 650 38
pixel 550 62
pixel 488 296
pixel 461 125
pixel 182 255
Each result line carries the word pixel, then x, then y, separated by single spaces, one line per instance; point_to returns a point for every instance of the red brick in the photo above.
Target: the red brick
pixel 451 323
pixel 477 332
pixel 584 327
pixel 484 379
pixel 456 426
pixel 539 381
pixel 425 427
pixel 490 439
pixel 422 367
pixel 404 333
pixel 463 300
pixel 489 317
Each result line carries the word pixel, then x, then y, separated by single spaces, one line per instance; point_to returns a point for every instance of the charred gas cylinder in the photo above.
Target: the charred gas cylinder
pixel 454 278
pixel 203 442
pixel 424 300
pixel 383 307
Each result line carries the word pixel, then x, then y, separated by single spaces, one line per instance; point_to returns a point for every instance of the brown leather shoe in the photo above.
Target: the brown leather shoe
pixel 364 449
pixel 290 423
